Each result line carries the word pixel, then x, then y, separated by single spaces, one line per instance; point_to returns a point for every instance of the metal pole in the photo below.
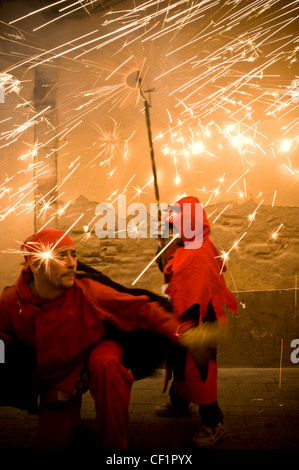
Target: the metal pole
pixel 133 79
pixel 149 131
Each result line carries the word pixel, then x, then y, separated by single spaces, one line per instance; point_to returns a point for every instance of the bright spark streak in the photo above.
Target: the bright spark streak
pixel 237 180
pixel 37 11
pixel 62 16
pixel 275 234
pixel 24 126
pixel 108 41
pixel 285 145
pixel 68 230
pixel 174 68
pixel 119 67
pixel 289 169
pixel 133 229
pixel 157 256
pixel 225 255
pixel 221 213
pixel 252 216
pixel 11 209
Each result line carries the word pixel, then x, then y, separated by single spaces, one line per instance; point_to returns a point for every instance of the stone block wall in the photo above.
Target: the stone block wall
pixel 262 273
pixel 258 262
pixel 261 335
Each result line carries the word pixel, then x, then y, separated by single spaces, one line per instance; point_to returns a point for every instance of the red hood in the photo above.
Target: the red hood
pixel 195 276
pixel 196 221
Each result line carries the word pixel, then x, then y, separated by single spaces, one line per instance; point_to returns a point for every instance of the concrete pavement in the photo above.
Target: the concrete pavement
pixel 260 406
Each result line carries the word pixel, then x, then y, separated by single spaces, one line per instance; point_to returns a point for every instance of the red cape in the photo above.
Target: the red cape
pixel 195 277
pixel 196 273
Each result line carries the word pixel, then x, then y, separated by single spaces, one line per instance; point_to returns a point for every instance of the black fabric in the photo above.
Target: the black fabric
pixel 84 270
pixel 17 385
pixel 176 360
pixel 180 403
pixel 211 414
pixel 144 351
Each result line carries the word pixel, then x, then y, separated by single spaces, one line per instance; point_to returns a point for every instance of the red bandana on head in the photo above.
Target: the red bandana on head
pixel 45 241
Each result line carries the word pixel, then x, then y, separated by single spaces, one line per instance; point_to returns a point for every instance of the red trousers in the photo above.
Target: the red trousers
pixel 193 388
pixel 110 387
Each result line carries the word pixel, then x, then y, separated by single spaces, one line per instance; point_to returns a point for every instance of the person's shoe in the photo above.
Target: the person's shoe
pixel 208 436
pixel 171 411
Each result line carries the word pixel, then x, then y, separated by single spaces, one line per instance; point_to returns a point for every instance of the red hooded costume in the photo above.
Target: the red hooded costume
pixel 194 273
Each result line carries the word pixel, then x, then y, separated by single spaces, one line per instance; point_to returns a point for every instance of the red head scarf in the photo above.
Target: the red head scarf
pixel 45 241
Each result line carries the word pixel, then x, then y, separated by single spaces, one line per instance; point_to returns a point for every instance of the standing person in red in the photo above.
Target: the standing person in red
pixel 193 275
pixel 64 320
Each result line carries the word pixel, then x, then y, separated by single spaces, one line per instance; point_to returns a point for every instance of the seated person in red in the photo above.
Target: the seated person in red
pixel 64 320
pixel 193 275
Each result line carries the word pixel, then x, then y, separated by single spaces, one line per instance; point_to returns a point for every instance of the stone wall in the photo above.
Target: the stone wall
pixel 258 262
pixel 262 273
pixel 261 335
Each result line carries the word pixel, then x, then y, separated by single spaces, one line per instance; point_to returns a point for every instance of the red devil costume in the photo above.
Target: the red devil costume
pixel 68 336
pixel 198 291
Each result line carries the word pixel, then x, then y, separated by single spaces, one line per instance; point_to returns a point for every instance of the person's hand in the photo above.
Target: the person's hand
pixel 163 291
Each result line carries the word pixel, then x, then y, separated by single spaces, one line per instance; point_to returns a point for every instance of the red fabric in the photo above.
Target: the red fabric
pixel 196 223
pixel 193 388
pixel 57 425
pixel 63 331
pixel 45 240
pixel 110 387
pixel 196 274
pixel 195 277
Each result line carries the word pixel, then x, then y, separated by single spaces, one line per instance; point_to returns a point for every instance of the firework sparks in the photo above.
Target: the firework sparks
pixel 275 234
pixel 154 259
pixel 225 255
pixel 220 73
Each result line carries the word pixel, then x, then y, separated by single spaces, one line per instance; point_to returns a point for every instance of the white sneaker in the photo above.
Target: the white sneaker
pixel 208 436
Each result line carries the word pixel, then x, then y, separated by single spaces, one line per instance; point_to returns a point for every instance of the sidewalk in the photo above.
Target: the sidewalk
pixel 260 413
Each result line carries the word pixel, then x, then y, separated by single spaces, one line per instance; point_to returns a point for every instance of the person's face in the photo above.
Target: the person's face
pixel 59 270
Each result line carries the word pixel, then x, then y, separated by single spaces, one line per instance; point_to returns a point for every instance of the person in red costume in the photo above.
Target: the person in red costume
pixel 64 320
pixel 193 269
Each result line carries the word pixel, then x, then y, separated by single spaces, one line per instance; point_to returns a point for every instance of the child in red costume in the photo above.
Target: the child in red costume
pixel 193 275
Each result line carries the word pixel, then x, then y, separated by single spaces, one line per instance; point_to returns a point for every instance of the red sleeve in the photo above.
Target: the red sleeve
pixel 129 312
